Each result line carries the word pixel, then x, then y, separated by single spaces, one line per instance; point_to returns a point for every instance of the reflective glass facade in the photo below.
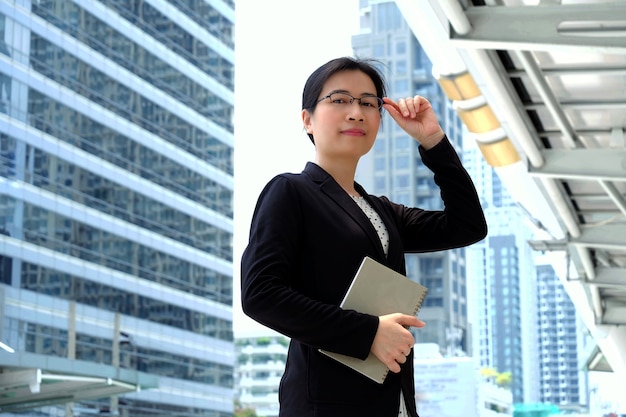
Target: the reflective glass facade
pixel 116 184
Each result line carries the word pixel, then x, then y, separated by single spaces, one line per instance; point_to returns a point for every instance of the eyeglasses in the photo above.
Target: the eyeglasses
pixel 344 99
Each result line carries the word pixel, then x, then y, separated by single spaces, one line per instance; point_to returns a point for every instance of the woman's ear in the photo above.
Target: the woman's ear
pixel 306 120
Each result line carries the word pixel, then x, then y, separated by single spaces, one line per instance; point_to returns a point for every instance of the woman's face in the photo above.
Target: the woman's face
pixel 341 129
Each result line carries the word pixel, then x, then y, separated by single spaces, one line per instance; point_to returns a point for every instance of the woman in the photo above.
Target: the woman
pixel 310 232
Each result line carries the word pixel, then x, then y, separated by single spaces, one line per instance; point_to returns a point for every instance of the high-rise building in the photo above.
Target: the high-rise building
pixel 519 309
pixel 116 184
pixel 503 286
pixel 261 358
pixel 394 168
pixel 560 333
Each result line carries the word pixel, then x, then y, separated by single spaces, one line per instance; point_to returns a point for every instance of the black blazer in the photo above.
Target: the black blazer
pixel 307 239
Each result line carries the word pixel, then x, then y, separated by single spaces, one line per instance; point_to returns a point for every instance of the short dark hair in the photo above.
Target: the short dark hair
pixel 315 82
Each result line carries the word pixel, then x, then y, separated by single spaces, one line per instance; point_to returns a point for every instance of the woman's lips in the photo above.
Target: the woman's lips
pixel 353 132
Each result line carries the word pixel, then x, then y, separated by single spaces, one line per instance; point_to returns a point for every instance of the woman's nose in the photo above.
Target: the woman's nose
pixel 355 112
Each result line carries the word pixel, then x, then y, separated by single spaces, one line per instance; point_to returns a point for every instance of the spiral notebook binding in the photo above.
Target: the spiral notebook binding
pixel 384 375
pixel 419 302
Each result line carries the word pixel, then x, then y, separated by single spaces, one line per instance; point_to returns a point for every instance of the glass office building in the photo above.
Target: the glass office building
pixel 116 216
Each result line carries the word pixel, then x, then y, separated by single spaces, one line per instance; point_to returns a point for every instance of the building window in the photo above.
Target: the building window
pixel 401 48
pixel 402 162
pixel 402 181
pixel 401 67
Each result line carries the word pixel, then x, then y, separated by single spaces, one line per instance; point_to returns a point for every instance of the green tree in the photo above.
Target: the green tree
pixel 501 379
pixel 241 411
pixel 504 379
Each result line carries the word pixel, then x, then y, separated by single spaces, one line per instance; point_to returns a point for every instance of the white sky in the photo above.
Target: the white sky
pixel 278 43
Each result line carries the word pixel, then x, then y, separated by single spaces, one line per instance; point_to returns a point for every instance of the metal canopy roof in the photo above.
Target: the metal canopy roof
pixel 23 389
pixel 29 380
pixel 552 76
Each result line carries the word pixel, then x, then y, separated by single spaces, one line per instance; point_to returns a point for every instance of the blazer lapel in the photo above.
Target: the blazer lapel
pixel 331 188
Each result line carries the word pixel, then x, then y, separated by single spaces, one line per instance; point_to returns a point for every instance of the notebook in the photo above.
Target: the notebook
pixel 377 289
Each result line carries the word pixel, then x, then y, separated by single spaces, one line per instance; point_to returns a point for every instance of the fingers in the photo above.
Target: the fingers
pixel 410 106
pixel 389 104
pixel 393 366
pixel 416 117
pixel 398 359
pixel 394 111
pixel 393 342
pixel 406 107
pixel 410 321
pixel 403 354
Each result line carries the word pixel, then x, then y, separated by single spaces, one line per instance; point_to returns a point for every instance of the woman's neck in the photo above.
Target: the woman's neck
pixel 343 172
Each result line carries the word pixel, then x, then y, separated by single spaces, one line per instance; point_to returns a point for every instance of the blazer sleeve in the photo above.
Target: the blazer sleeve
pixel 461 222
pixel 273 279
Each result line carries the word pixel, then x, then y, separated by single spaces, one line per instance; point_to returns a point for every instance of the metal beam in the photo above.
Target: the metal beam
pixel 608 236
pixel 548 245
pixel 615 312
pixel 584 164
pixel 27 377
pixel 615 195
pixel 580 105
pixel 569 71
pixel 549 98
pixel 609 278
pixel 600 28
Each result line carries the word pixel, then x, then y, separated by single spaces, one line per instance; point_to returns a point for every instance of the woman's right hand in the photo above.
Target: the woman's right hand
pixel 393 342
pixel 416 116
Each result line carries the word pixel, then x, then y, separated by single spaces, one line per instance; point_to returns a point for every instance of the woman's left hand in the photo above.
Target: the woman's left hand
pixel 416 116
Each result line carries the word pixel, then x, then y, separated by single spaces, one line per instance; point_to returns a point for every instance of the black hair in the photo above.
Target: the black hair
pixel 315 82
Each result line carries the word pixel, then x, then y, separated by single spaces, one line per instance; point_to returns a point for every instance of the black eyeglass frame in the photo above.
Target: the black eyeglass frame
pixel 378 99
